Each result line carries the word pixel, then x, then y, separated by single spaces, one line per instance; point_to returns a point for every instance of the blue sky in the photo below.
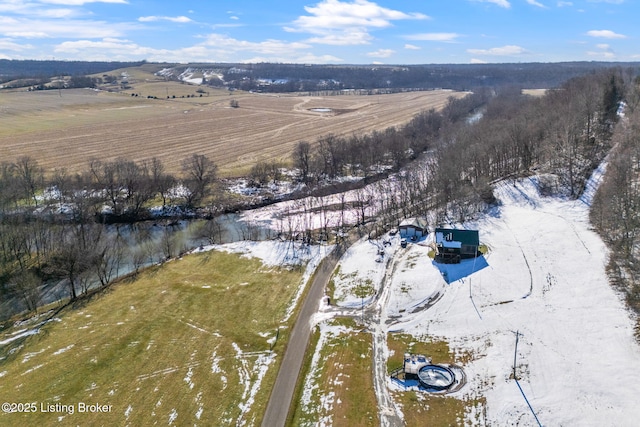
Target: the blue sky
pixel 322 31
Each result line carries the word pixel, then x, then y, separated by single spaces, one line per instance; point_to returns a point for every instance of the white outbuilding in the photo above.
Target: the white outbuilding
pixel 413 228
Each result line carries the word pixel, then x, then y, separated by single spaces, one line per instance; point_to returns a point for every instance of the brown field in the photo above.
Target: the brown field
pixel 68 128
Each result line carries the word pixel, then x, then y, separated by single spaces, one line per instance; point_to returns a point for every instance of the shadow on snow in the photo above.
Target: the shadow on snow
pixel 466 267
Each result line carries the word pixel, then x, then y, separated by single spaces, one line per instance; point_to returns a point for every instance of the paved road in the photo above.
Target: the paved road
pixel 284 387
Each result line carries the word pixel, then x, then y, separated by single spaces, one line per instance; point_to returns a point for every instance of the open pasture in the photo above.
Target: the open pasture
pixel 68 128
pixel 186 343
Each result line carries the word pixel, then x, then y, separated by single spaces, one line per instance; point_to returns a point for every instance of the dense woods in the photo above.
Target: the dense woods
pixel 267 77
pixel 616 207
pixel 51 224
pixel 33 69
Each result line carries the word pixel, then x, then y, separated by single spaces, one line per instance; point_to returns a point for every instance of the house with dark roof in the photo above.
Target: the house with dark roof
pixel 452 244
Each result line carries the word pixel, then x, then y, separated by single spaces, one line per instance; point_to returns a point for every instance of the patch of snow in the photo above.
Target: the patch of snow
pixel 20 335
pixel 359 274
pixel 215 368
pixel 28 356
pixel 311 390
pixel 198 399
pixel 62 350
pixel 28 371
pixel 187 378
pixel 251 376
pixel 173 416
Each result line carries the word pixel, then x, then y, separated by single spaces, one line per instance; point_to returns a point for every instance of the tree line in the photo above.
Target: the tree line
pixel 615 211
pixel 304 77
pixel 116 190
pixel 53 227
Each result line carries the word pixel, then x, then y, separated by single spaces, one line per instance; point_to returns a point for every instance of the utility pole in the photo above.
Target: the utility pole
pixel 515 356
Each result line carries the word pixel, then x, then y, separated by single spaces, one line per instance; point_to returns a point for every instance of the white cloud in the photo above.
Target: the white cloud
pixel 177 19
pixel 602 54
pixel 115 49
pixel 501 3
pixel 80 2
pixel 509 50
pixel 36 28
pixel 55 18
pixel 411 47
pixel 381 53
pixel 434 37
pixel 348 37
pixel 337 14
pixel 9 44
pixel 605 51
pixel 605 34
pixel 315 59
pixel 565 4
pixel 343 23
pixel 215 47
pixel 271 47
pixel 536 3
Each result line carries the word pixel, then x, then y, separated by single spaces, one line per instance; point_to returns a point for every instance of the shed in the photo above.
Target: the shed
pixel 413 228
pixel 454 244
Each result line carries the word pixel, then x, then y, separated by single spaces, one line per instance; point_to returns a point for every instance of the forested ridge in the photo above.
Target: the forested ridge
pixel 268 77
pixel 444 162
pixel 16 69
pixel 274 77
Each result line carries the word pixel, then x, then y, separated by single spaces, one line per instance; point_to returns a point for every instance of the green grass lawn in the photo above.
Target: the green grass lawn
pixel 342 379
pixel 421 408
pixel 182 344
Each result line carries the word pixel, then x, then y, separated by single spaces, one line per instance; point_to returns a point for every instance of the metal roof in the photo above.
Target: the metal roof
pixel 465 237
pixel 414 222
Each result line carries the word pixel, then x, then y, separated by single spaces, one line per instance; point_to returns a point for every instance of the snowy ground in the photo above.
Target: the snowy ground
pixel 544 278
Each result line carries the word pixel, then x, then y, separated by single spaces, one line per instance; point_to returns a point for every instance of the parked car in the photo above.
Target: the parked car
pixel 403 242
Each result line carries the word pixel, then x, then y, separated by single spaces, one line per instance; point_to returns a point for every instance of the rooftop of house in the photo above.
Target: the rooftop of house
pixel 415 222
pixel 465 237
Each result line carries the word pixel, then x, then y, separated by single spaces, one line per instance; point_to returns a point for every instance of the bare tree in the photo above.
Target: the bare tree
pixel 199 172
pixel 211 230
pixel 302 160
pixel 26 285
pixel 9 185
pixel 31 177
pixel 162 182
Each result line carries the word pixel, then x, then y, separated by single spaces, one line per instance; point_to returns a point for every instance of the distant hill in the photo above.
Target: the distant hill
pixel 14 69
pixel 268 77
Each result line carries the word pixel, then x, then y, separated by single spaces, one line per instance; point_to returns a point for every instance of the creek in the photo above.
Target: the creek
pixel 147 243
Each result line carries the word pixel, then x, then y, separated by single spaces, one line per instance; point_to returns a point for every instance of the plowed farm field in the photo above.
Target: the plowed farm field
pixel 69 128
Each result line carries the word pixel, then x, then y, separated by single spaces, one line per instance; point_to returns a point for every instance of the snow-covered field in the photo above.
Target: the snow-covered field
pixel 544 279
